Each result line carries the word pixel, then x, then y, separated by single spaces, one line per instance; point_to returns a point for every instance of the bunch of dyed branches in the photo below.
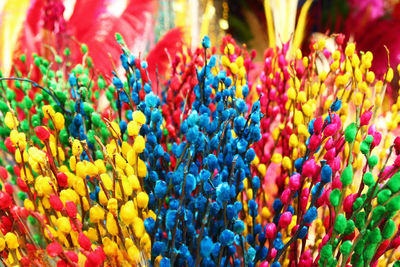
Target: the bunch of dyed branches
pixel 207 169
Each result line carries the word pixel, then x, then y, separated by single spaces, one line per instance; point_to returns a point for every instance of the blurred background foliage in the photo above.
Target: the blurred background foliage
pixel 258 23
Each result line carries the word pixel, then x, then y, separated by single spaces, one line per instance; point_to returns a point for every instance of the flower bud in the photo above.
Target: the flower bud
pixel 59 121
pixel 56 202
pixel 365 118
pixel 270 230
pixel 348 203
pixel 285 197
pixel 139 144
pixel 294 182
pixel 310 215
pixel 315 142
pixel 112 205
pixel 77 148
pixel 326 173
pixel 128 212
pixel 285 219
pixel 54 249
pixel 96 214
pixel 142 200
pixel 64 225
pixel 42 133
pixel 62 179
pixel 331 129
pixel 84 241
pixel 309 168
pixel 71 209
pixel 340 223
pixel 111 224
pixel 347 176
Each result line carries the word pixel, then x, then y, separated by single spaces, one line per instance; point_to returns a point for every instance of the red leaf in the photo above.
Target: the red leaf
pixel 86 14
pixel 32 27
pixel 158 59
pixel 98 31
pixel 92 24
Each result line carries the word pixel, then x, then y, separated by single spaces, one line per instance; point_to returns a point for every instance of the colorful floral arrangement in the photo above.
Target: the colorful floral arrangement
pixel 210 168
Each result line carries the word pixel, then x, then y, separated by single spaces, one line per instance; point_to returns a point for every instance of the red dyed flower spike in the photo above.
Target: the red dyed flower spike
pixel 5 200
pixel 54 249
pixel 56 202
pixel 42 133
pixel 62 179
pixel 71 209
pixel 3 173
pixel 84 242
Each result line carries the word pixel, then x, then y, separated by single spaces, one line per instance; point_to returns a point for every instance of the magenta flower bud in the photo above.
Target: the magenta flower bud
pixel 259 87
pixel 328 144
pixel 282 61
pixel 285 48
pixel 300 70
pixel 314 143
pixel 348 203
pixel 275 111
pixel 331 129
pixel 267 154
pixel 265 137
pixel 276 78
pixel 294 182
pixel 397 161
pixel 268 65
pixel 377 139
pixel 322 199
pixel 340 144
pixel 285 219
pixel 303 203
pixel 330 154
pixel 306 254
pixel 325 240
pixel 396 144
pixel 265 159
pixel 309 168
pixel 265 123
pixel 336 164
pixel 304 199
pixel 273 253
pixel 372 129
pixel 336 120
pixel 365 118
pixel 305 192
pixel 263 100
pixel 316 178
pixel 326 53
pixel 318 123
pixel 336 183
pixel 285 197
pixel 294 229
pixel 270 230
pixel 272 94
pixel 305 262
pixel 388 169
pixel 286 74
